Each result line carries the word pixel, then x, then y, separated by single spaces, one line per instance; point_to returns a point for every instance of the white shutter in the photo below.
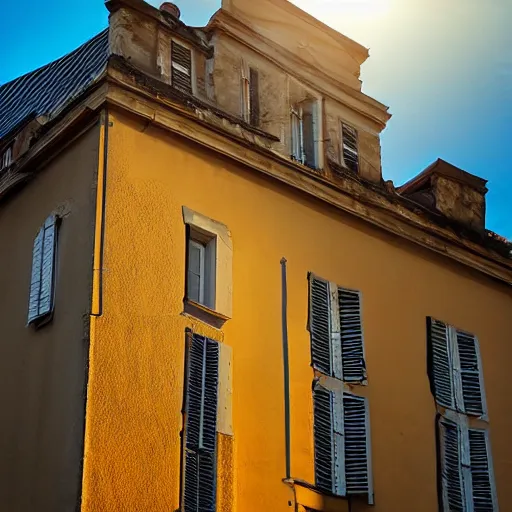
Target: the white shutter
pixel 440 363
pixel 482 476
pixel 470 372
pixel 43 271
pixel 320 324
pixel 349 147
pixel 358 471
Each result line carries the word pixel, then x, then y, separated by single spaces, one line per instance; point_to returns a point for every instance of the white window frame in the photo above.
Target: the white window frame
pixel 179 67
pixel 202 251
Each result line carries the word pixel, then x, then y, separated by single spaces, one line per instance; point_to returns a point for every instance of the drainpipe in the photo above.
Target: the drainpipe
pixel 286 366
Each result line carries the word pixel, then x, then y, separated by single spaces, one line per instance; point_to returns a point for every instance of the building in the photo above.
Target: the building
pixel 196 233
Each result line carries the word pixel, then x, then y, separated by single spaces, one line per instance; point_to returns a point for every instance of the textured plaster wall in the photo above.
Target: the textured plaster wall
pixel 136 377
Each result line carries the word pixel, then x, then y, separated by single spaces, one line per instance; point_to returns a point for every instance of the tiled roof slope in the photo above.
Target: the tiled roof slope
pixel 50 88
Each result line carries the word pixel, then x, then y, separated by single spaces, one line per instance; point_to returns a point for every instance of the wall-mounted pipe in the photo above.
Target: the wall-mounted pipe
pixel 286 366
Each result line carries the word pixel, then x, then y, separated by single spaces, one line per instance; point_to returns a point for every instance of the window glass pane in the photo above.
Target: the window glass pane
pixel 194 287
pixel 194 258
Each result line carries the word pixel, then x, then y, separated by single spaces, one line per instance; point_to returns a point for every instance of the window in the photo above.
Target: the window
pixel 201 268
pixel 209 268
pixel 6 159
pixel 335 325
pixel 350 154
pixel 200 439
pixel 341 419
pixel 456 378
pixel 42 283
pixel 250 95
pixel 305 133
pixel 181 67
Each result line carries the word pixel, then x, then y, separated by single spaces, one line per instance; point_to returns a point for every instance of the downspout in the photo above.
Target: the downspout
pixel 286 366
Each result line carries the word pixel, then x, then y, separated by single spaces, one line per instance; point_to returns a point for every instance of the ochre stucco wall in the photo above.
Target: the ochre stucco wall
pixel 136 377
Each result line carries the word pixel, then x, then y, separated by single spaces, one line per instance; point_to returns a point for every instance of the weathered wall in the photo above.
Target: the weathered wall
pixel 136 379
pixel 460 202
pixel 43 372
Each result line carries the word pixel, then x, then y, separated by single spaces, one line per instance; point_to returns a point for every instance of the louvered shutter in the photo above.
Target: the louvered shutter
pixel 199 489
pixel 181 67
pixel 350 151
pixel 470 374
pixel 43 271
pixel 357 446
pixel 351 335
pixel 324 439
pixel 481 472
pixel 440 363
pixel 320 324
pixel 309 130
pixel 254 85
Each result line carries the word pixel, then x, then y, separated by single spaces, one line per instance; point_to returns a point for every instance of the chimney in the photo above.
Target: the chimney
pixel 171 9
pixel 455 193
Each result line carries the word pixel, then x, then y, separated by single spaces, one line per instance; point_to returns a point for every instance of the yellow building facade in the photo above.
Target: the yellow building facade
pixel 180 160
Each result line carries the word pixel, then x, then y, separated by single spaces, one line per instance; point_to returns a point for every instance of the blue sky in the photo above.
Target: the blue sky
pixel 443 66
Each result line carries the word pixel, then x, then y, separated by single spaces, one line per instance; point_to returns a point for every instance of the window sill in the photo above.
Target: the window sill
pixel 311 498
pixel 204 313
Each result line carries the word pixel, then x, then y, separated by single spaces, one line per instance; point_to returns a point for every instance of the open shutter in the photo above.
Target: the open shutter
pixel 484 497
pixel 199 489
pixel 451 467
pixel 440 363
pixel 181 67
pixel 254 86
pixel 470 374
pixel 351 333
pixel 350 152
pixel 43 271
pixel 357 446
pixel 309 134
pixel 320 324
pixel 324 443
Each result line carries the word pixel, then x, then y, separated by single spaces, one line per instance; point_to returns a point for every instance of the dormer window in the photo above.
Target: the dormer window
pixel 250 95
pixel 181 67
pixel 6 158
pixel 349 149
pixel 305 133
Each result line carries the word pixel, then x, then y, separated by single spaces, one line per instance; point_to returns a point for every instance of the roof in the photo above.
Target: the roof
pixel 47 90
pixel 442 168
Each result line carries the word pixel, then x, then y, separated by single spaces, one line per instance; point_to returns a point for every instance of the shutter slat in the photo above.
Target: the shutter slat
pixel 470 374
pixel 351 333
pixel 480 471
pixel 319 325
pixel 323 430
pixel 440 360
pixel 357 445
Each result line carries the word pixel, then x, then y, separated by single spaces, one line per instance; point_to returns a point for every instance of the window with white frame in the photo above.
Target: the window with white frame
pixel 341 418
pixel 456 377
pixel 42 284
pixel 349 148
pixel 250 104
pixel 201 267
pixel 305 132
pixel 181 67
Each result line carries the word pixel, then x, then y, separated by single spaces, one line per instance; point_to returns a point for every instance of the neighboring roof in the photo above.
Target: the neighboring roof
pixel 442 168
pixel 48 89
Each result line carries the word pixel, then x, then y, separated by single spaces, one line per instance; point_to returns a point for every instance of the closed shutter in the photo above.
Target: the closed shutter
pixel 43 271
pixel 451 471
pixel 440 363
pixel 357 446
pixel 470 374
pixel 309 134
pixel 199 489
pixel 324 439
pixel 351 334
pixel 254 97
pixel 320 324
pixel 350 152
pixel 181 67
pixel 481 472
